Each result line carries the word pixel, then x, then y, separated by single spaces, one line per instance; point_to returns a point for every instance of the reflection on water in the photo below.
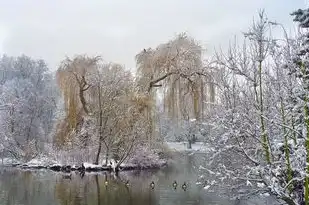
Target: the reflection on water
pixel 49 188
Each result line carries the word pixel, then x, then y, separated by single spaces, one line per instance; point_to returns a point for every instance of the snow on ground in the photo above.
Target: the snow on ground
pixel 91 166
pixel 47 163
pixel 8 161
pixel 143 158
pixel 183 147
pixel 41 161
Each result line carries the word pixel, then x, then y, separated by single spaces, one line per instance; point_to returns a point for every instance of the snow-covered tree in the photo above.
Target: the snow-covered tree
pixel 301 70
pixel 105 110
pixel 29 97
pixel 261 115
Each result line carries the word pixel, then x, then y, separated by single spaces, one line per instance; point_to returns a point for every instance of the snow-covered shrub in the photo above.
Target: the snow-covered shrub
pixel 144 157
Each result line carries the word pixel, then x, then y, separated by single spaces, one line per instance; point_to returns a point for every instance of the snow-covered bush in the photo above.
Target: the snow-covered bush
pixel 144 157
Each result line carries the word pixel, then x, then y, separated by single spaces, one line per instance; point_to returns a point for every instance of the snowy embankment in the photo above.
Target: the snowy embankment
pixel 45 163
pixel 183 147
pixel 142 159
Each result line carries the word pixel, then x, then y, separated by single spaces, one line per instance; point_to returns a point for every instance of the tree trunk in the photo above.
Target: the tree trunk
pixel 98 153
pixel 12 120
pixel 82 100
pixel 100 127
pixel 294 133
pixel 107 155
pixel 307 153
pixel 100 138
pixel 264 135
pixel 29 129
pixel 189 144
pixel 292 114
pixel 286 146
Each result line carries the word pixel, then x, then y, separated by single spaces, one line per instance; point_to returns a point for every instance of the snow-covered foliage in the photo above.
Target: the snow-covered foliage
pixel 145 157
pixel 198 147
pixel 105 111
pixel 183 130
pixel 263 114
pixel 27 98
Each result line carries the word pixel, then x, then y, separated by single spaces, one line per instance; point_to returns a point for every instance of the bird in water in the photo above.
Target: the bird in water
pixel 106 183
pixel 82 173
pixel 152 185
pixel 206 185
pixel 237 201
pixel 184 186
pixel 83 167
pixel 67 176
pixel 175 184
pixel 127 183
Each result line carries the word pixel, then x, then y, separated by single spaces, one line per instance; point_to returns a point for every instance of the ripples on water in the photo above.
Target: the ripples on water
pixel 43 187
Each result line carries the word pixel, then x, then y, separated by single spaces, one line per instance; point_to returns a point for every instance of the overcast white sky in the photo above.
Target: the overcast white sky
pixel 119 29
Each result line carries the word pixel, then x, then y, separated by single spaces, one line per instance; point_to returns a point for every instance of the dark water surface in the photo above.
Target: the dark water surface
pixel 43 187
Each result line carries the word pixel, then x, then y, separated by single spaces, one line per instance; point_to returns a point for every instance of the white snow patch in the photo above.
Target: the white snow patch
pixel 212 182
pixel 260 185
pixel 265 194
pixel 207 187
pixel 41 161
pixel 91 166
pixel 183 146
pixel 202 176
pixel 8 161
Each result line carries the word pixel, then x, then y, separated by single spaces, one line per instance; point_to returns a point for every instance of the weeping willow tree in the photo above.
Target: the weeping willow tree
pixel 72 78
pixel 145 73
pixel 177 68
pixel 102 100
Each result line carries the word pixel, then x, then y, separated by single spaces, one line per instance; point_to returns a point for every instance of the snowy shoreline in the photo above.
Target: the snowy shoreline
pixel 144 163
pixel 88 167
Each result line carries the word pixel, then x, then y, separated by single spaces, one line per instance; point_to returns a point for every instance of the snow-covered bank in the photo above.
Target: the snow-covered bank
pixel 46 163
pixel 140 159
pixel 85 166
pixel 183 147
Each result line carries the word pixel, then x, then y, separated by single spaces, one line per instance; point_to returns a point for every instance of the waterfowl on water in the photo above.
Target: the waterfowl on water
pixel 127 183
pixel 184 186
pixel 83 167
pixel 175 184
pixel 82 173
pixel 152 185
pixel 237 201
pixel 106 183
pixel 206 186
pixel 67 176
pixel 67 169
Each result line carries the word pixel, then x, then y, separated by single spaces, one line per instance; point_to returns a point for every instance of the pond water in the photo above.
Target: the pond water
pixel 38 187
